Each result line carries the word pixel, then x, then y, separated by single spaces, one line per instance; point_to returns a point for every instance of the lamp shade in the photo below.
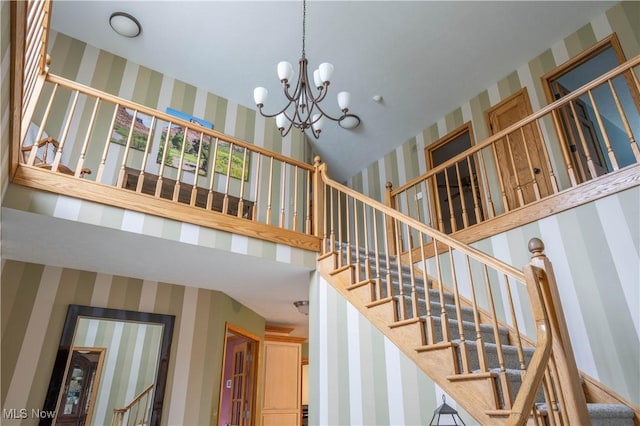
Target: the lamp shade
pixel 317 122
pixel 344 99
pixel 260 95
pixel 285 70
pixel 281 120
pixel 326 70
pixel 316 78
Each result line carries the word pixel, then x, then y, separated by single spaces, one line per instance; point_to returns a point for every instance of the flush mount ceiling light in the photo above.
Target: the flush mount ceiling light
pixel 125 24
pixel 303 110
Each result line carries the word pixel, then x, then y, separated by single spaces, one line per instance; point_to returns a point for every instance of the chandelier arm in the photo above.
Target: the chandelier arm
pixel 324 114
pixel 260 106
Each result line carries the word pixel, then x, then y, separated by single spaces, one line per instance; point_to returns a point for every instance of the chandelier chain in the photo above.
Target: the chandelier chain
pixel 304 25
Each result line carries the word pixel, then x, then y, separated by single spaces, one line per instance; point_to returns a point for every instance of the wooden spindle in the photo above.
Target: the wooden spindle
pixel 194 188
pixel 65 132
pixel 627 128
pixel 400 299
pixel 242 180
pixel 532 173
pixel 547 159
pixel 356 227
pixel 309 188
pixel 444 319
pixel 339 214
pixel 85 142
pixel 365 231
pixel 568 164
pixel 390 201
pixel 452 218
pixel 254 214
pixel 376 250
pixel 294 219
pixel 270 191
pixel 176 186
pixel 463 203
pixel 107 143
pixel 348 226
pixel 145 156
pixel 209 205
pixel 607 142
pixel 516 178
pixel 583 142
pixel 225 199
pixel 283 187
pixel 163 162
pixel 505 203
pixel 429 322
pixel 387 253
pixel 477 211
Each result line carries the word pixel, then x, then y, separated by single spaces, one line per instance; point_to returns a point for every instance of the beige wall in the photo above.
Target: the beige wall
pixel 34 304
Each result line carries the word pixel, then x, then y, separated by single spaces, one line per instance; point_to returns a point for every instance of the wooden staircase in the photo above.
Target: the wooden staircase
pixel 452 310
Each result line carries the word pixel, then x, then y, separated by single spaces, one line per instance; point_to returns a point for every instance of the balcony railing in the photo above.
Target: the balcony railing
pixel 485 182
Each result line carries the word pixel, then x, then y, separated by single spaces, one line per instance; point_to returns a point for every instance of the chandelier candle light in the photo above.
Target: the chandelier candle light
pixel 303 109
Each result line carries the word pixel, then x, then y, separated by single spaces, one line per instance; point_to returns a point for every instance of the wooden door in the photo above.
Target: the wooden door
pixel 241 384
pixel 581 137
pixel 521 157
pixel 282 384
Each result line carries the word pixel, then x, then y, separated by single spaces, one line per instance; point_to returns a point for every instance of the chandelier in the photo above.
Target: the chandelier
pixel 303 110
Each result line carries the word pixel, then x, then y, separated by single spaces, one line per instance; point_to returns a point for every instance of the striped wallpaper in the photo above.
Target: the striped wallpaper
pixel 595 250
pixel 34 304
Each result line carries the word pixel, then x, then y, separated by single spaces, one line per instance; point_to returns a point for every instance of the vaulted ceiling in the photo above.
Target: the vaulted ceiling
pixel 424 58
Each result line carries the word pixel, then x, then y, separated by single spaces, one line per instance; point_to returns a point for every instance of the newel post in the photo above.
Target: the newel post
pixel 390 225
pixel 568 375
pixel 318 197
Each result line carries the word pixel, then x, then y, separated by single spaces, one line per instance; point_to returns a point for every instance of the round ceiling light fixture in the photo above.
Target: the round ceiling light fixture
pixel 125 25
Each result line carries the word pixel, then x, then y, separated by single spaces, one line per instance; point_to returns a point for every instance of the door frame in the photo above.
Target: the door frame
pixel 231 329
pixel 611 41
pixel 434 201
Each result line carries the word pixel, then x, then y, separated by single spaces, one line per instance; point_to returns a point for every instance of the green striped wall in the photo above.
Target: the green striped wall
pixel 595 250
pixel 34 303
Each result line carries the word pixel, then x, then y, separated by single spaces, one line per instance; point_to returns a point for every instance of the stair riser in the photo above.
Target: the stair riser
pixel 509 353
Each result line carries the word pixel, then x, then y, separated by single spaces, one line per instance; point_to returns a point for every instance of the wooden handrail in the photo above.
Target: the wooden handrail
pixel 118 413
pixel 321 168
pixel 55 79
pixel 527 120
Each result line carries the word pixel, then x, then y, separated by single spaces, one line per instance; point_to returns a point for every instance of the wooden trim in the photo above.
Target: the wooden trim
pixel 421 227
pixel 590 191
pixel 90 91
pixel 46 180
pixel 527 120
pixel 284 339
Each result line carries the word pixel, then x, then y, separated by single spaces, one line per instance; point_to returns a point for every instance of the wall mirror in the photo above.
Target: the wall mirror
pixel 111 367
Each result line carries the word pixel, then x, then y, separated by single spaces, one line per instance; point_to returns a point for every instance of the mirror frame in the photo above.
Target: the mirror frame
pixel 66 342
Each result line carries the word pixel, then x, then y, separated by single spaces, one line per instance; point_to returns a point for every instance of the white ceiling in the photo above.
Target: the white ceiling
pixel 424 58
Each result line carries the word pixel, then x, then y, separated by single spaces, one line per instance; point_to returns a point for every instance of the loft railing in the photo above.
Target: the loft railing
pixel 111 141
pixel 480 183
pixel 363 236
pixel 70 129
pixel 136 412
